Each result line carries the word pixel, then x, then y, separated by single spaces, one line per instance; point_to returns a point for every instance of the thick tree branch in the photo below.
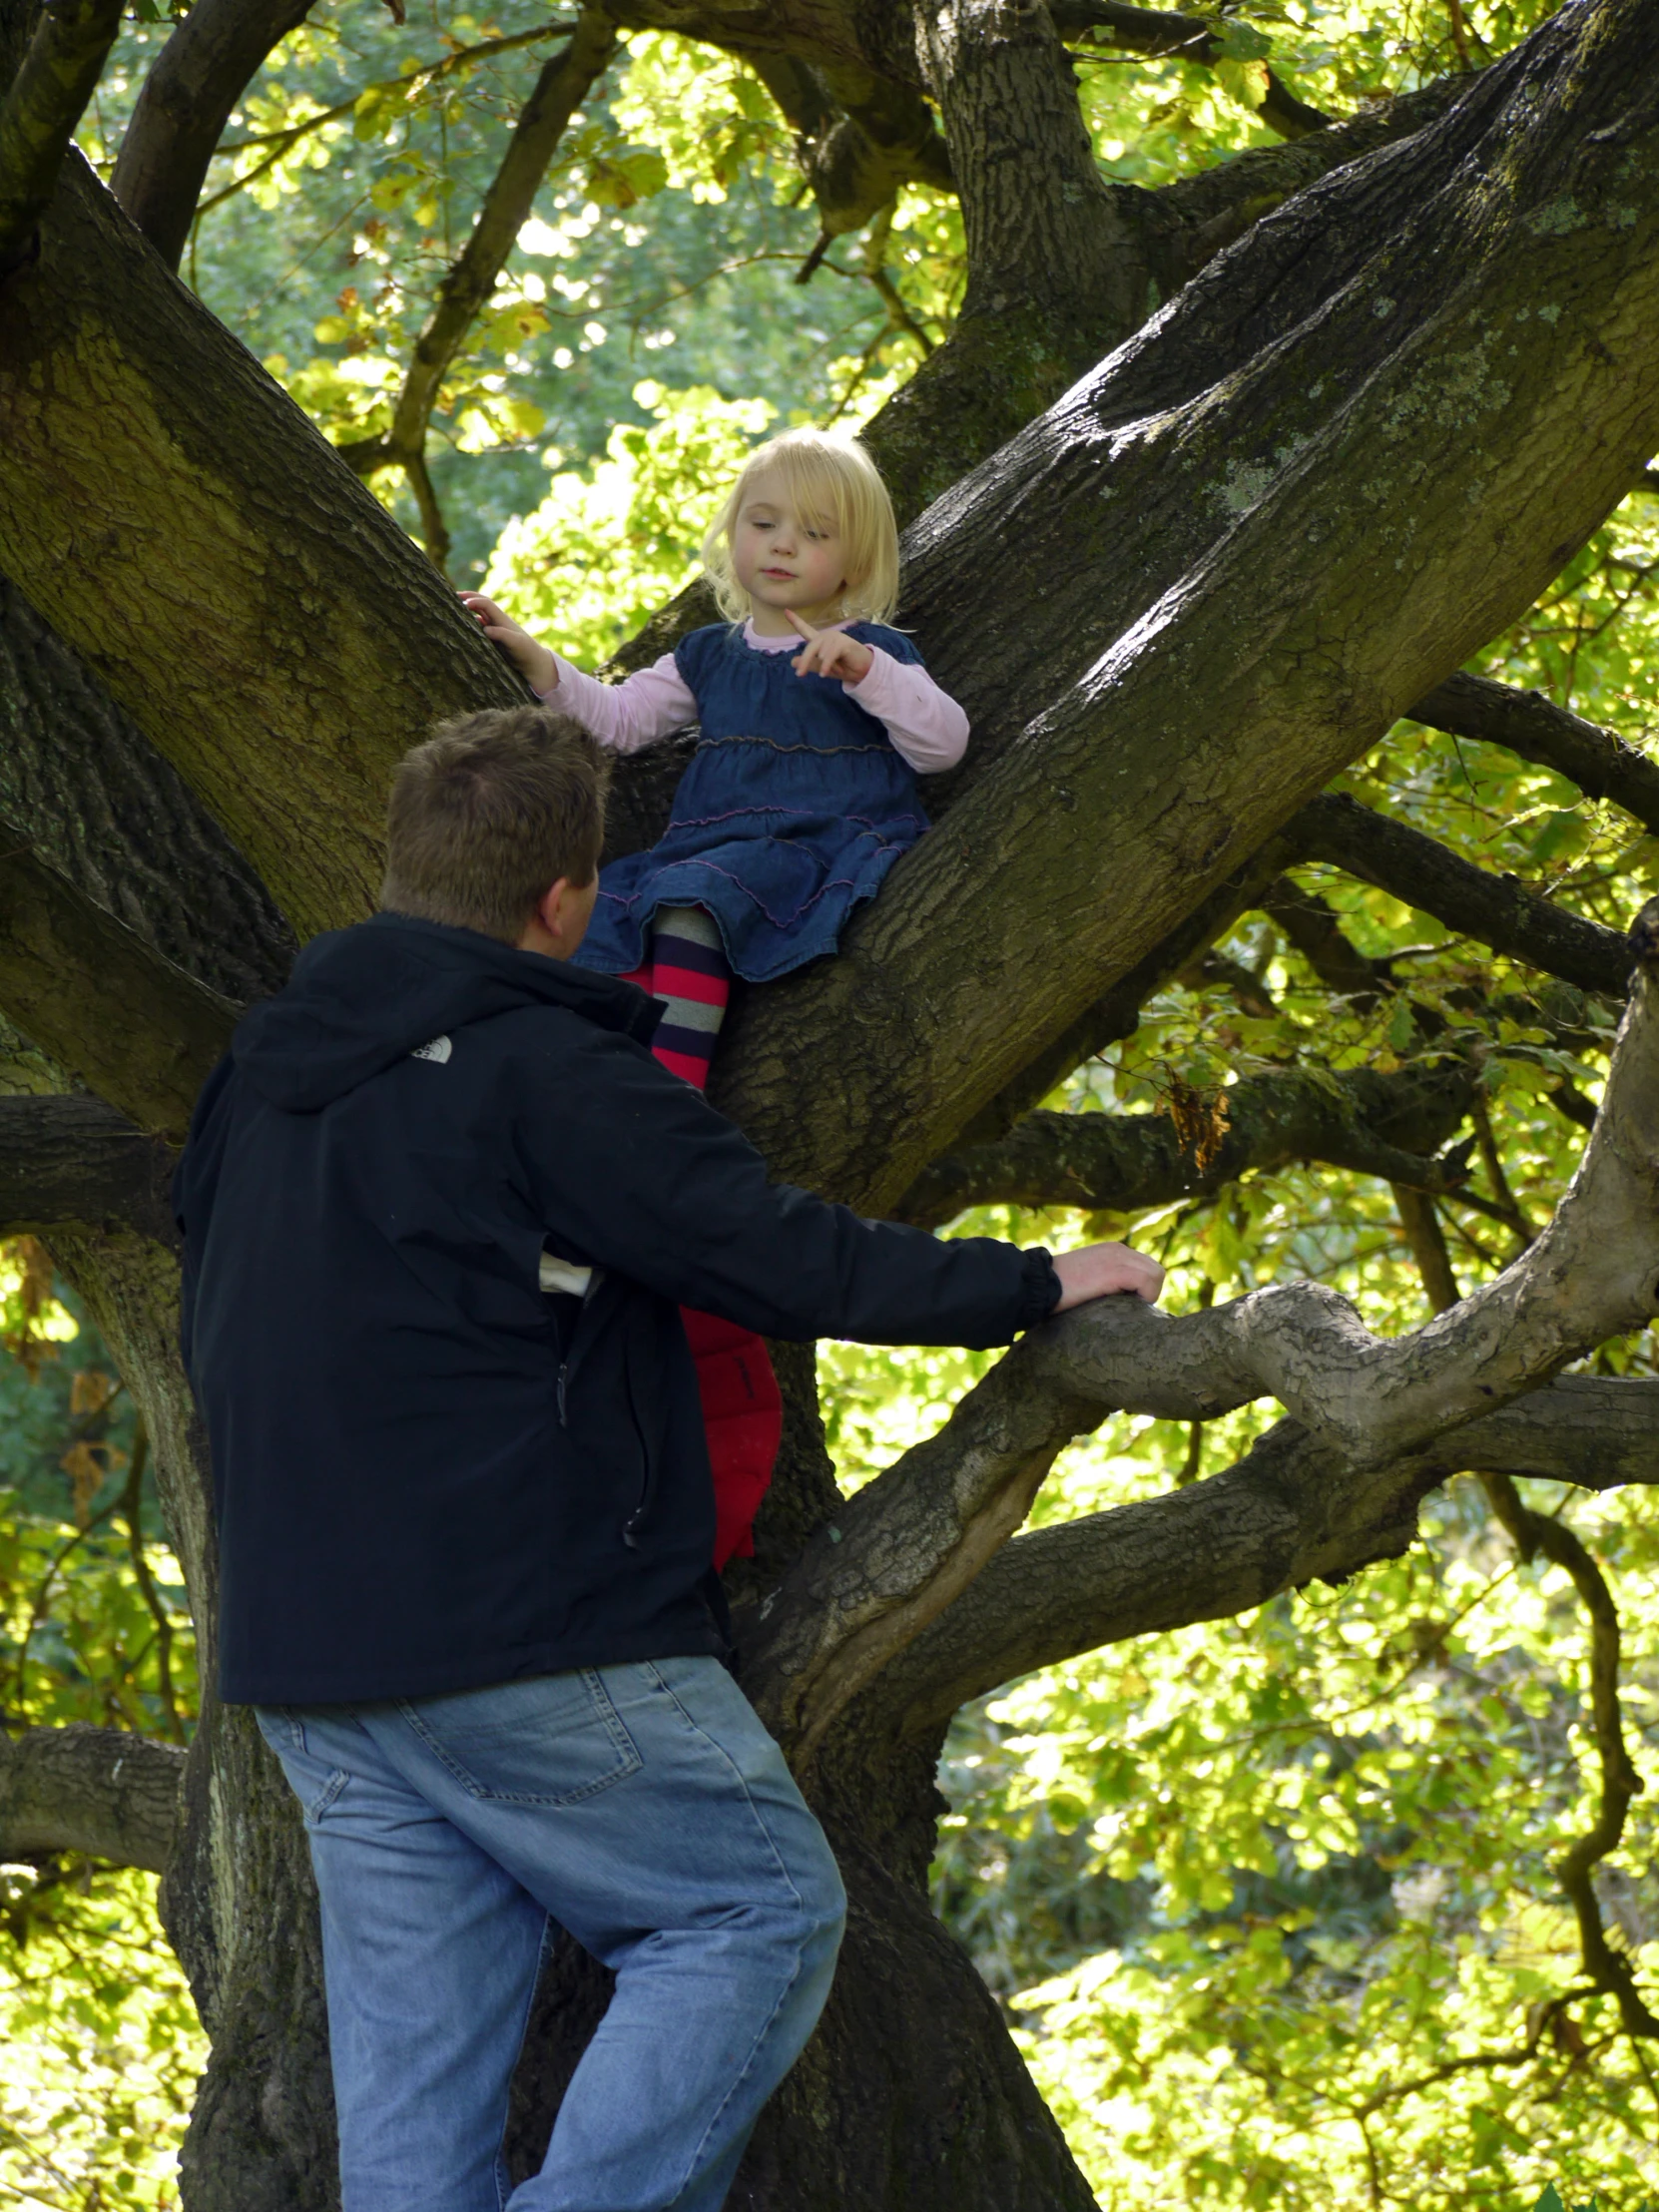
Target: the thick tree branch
pixel 41 108
pixel 1363 1121
pixel 92 993
pixel 96 1790
pixel 1057 261
pixel 1598 761
pixel 330 644
pixel 1116 1014
pixel 1597 1432
pixel 1372 1416
pixel 73 1162
pixel 565 81
pixel 1496 910
pixel 87 791
pixel 180 115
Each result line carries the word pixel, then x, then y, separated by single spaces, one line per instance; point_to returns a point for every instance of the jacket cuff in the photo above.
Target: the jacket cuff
pixel 1039 1288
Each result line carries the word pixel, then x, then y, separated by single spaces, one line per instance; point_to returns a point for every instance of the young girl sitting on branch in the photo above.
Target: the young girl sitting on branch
pixel 815 718
pixel 814 721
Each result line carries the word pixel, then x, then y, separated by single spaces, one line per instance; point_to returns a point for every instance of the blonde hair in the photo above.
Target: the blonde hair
pixel 822 476
pixel 488 814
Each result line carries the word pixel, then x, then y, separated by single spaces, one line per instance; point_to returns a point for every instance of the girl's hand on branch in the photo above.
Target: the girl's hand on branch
pixel 1097 1271
pixel 533 661
pixel 830 653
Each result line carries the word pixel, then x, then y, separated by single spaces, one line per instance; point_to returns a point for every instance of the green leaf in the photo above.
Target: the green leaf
pixel 625 180
pixel 1241 41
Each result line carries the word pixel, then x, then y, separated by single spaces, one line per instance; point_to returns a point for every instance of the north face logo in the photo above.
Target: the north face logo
pixel 438 1049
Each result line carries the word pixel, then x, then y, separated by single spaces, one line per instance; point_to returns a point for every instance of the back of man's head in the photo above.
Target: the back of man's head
pixel 488 814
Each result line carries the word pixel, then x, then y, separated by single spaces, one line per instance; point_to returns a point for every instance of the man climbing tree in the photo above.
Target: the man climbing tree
pixel 1208 488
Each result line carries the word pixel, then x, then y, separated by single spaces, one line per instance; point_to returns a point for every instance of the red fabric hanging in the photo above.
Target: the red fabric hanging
pixel 742 1417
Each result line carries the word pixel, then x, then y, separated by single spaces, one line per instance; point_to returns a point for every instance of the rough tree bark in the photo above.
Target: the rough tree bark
pixel 1355 446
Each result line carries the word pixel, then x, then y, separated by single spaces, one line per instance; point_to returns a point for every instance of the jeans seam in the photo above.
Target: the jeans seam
pixel 698 1729
pixel 747 2067
pixel 503 2191
pixel 771 2020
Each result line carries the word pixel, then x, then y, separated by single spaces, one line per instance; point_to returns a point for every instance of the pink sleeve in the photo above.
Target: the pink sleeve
pixel 628 715
pixel 926 726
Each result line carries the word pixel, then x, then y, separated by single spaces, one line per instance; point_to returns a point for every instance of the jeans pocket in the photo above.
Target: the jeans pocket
pixel 553 1739
pixel 312 1780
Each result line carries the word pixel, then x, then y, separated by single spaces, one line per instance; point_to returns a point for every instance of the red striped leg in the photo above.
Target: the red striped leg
pixel 691 975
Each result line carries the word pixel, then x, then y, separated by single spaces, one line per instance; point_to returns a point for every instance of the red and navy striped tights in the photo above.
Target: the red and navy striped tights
pixel 743 1412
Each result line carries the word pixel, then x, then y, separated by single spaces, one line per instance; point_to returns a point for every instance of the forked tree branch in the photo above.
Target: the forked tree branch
pixel 1372 1416
pixel 1364 1122
pixel 858 137
pixel 1286 1514
pixel 96 1790
pixel 92 994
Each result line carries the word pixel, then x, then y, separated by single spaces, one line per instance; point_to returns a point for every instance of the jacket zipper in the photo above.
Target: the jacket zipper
pixel 632 1526
pixel 594 1281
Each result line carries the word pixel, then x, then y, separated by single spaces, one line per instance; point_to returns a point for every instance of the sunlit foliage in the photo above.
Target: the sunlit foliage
pixel 99 2043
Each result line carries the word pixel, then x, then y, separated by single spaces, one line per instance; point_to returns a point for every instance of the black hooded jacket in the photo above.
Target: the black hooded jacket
pixel 432 1475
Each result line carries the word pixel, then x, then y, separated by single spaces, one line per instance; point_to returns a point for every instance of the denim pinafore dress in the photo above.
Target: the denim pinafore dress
pixel 792 809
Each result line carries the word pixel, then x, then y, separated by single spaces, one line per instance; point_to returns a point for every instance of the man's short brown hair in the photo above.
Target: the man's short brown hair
pixel 488 814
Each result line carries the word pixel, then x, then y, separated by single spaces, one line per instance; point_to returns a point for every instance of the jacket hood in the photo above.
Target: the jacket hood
pixel 362 1000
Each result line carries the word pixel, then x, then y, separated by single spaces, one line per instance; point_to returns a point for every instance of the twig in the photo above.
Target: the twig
pixel 1508 1206
pixel 132 1504
pixel 1532 1532
pixel 291 134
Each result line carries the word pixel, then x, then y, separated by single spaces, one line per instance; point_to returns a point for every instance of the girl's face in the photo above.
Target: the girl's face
pixel 786 559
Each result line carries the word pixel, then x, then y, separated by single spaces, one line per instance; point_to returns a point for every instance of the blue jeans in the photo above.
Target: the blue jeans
pixel 644 1808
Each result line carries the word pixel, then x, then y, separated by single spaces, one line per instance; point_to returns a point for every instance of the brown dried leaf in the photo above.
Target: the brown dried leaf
pixel 86 1478
pixel 90 1391
pixel 1201 1119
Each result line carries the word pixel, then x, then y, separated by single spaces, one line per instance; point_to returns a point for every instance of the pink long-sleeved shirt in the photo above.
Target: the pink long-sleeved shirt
pixel 926 726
